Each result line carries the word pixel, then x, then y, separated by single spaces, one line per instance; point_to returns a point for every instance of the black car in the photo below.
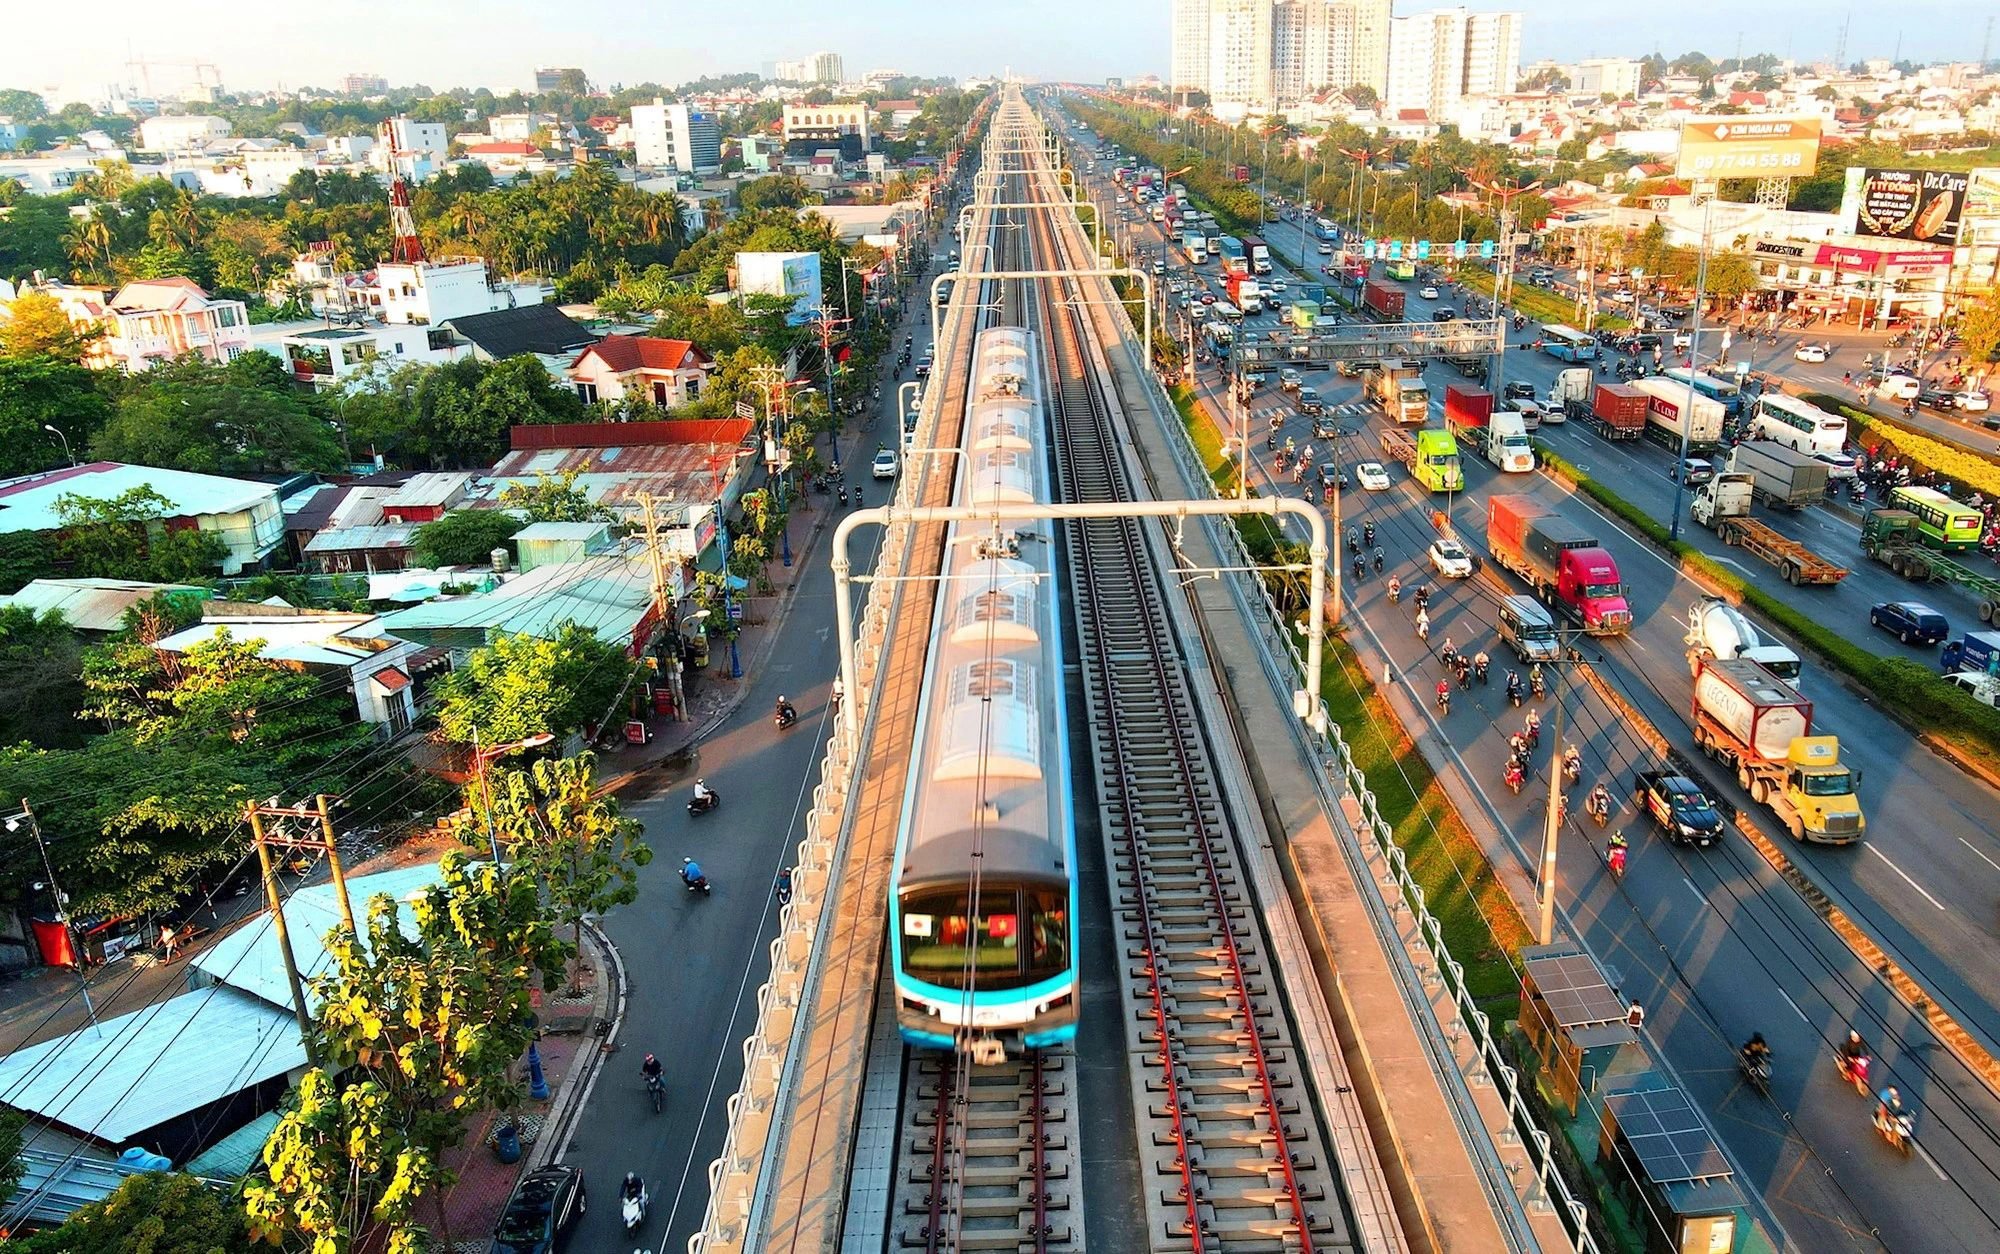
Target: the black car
pixel 545 1206
pixel 1937 398
pixel 1679 809
pixel 1442 315
pixel 1519 390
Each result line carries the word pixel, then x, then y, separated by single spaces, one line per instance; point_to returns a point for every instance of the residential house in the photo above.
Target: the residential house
pixel 327 359
pixel 610 593
pixel 521 127
pixel 541 330
pixel 429 293
pixel 544 543
pixel 666 372
pixel 180 133
pixel 243 514
pixel 619 463
pixel 95 607
pixel 507 159
pixel 154 320
pixel 376 667
pixel 372 527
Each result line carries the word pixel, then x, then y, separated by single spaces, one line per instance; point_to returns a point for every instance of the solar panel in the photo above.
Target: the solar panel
pixel 1667 1135
pixel 1576 993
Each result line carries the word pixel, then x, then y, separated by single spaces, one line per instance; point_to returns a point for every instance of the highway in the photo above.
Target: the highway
pixel 1750 956
pixel 694 963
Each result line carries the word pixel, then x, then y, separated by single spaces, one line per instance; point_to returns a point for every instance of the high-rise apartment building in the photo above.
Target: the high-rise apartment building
pixel 820 67
pixel 1492 53
pixel 1188 69
pixel 1239 51
pixel 1270 51
pixel 1438 58
pixel 675 137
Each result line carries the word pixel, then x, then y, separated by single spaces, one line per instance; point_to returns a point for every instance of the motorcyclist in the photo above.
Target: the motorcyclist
pixel 1600 803
pixel 1449 652
pixel 1889 1107
pixel 1423 624
pixel 703 794
pixel 1755 1052
pixel 1572 763
pixel 839 690
pixel 1535 680
pixel 1514 687
pixel 1480 662
pixel 1444 694
pixel 691 873
pixel 1395 589
pixel 1368 534
pixel 1532 728
pixel 1515 776
pixel 786 711
pixel 1615 851
pixel 633 1187
pixel 651 1069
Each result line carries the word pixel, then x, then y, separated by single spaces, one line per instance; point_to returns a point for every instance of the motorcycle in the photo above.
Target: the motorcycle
pixel 1855 1072
pixel 1756 1074
pixel 1600 809
pixel 1479 669
pixel 1514 691
pixel 1572 769
pixel 696 883
pixel 656 1090
pixel 1897 1128
pixel 1615 859
pixel 702 805
pixel 784 716
pixel 634 1199
pixel 1443 698
pixel 1515 777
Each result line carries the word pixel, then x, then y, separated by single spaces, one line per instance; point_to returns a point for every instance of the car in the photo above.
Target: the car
pixel 1518 390
pixel 1277 285
pixel 1809 352
pixel 884 465
pixel 1449 559
pixel 1427 292
pixel 1326 250
pixel 1325 428
pixel 1621 297
pixel 1371 476
pixel 1838 465
pixel 1912 622
pixel 1291 380
pixel 1310 403
pixel 1351 368
pixel 1443 315
pixel 1899 387
pixel 1937 398
pixel 1328 473
pixel 1159 267
pixel 1208 298
pixel 1695 470
pixel 1681 811
pixel 1974 401
pixel 538 1217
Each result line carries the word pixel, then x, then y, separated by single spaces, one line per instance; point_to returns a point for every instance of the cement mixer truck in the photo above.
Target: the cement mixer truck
pixel 1717 629
pixel 1749 719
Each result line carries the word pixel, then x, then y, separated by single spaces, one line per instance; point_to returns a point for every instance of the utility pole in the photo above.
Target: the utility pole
pixel 257 814
pixel 827 325
pixel 27 816
pixel 656 554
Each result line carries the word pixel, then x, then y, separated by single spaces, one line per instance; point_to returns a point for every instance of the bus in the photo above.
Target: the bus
pixel 1942 523
pixel 1713 388
pixel 1402 270
pixel 1323 229
pixel 1436 463
pixel 1794 423
pixel 1568 344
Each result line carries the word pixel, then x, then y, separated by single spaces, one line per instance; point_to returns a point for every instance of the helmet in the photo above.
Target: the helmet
pixel 781 700
pixel 650 1058
pixel 686 861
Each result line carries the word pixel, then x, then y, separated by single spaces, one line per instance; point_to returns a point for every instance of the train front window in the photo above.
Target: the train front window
pixel 1018 936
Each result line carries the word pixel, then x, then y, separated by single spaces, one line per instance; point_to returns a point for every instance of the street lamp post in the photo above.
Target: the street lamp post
pixel 14 824
pixel 1694 362
pixel 57 433
pixel 480 759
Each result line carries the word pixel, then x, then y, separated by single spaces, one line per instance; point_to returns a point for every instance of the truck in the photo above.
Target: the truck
pixel 1616 411
pixel 1717 629
pixel 1571 391
pixel 1890 536
pixel 1507 445
pixel 1669 417
pixel 1499 436
pixel 1748 718
pixel 1383 300
pixel 1233 260
pixel 1398 387
pixel 1245 294
pixel 1431 455
pixel 1466 406
pixel 1305 314
pixel 1975 651
pixel 1195 245
pixel 1259 253
pixel 1562 562
pixel 1780 476
pixel 1727 495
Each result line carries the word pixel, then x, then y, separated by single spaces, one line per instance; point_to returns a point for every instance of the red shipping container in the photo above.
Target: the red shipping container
pixel 1466 405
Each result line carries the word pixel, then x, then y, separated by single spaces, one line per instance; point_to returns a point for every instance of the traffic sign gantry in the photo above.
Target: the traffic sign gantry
pixel 1360 341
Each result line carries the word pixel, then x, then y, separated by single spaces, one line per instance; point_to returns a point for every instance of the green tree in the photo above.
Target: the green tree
pixel 125 537
pixel 156 1213
pixel 465 537
pixel 11 1123
pixel 35 236
pixel 1730 275
pixel 37 326
pixel 241 417
pixel 424 1024
pixel 775 191
pixel 552 498
pixel 41 662
pixel 555 826
pixel 1979 328
pixel 521 686
pixel 37 393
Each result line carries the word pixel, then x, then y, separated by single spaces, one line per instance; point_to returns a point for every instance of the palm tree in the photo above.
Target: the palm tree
pixel 91 239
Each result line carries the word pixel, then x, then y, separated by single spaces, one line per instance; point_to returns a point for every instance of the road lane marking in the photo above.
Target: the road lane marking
pixel 1795 1006
pixel 1905 874
pixel 1696 891
pixel 1982 857
pixel 1928 1162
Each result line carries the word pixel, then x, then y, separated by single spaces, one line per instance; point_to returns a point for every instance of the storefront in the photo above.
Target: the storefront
pixel 1865 284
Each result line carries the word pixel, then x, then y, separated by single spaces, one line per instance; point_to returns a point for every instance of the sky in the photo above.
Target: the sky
pixel 497 43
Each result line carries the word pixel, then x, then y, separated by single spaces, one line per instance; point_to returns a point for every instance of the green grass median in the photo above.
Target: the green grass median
pixel 1538 303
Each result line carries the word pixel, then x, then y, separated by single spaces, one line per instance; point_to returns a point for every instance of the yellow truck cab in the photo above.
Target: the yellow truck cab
pixel 1821 791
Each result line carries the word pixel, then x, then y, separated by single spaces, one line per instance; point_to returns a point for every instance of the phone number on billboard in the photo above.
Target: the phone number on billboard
pixel 1747 162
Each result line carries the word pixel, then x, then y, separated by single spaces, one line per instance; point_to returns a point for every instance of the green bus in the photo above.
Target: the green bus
pixel 1436 465
pixel 1942 523
pixel 1402 269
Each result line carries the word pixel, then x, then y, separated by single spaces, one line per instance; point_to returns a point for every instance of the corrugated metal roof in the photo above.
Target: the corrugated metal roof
pixel 432 487
pixel 352 539
pixel 55 1186
pixel 140 1070
pixel 93 604
pixel 28 503
pixel 249 959
pixel 319 639
pixel 609 594
pixel 235 1155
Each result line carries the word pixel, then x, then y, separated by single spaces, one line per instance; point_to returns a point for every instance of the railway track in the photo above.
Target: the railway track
pixel 1235 1156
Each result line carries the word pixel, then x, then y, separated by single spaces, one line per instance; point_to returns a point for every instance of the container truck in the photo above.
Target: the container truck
pixel 1259 254
pixel 1616 411
pixel 1562 562
pixel 1727 495
pixel 1749 719
pixel 1196 246
pixel 1571 391
pixel 1780 476
pixel 1233 260
pixel 1717 629
pixel 1466 406
pixel 1244 293
pixel 1669 416
pixel 1891 537
pixel 1431 455
pixel 1398 387
pixel 1507 445
pixel 1383 300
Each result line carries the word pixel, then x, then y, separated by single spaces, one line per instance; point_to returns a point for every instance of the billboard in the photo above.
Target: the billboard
pixel 1923 206
pixel 783 274
pixel 1748 148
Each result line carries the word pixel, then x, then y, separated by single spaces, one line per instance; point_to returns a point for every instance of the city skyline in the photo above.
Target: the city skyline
pixel 629 42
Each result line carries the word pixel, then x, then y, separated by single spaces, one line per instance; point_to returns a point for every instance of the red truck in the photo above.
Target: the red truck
pixel 1618 411
pixel 1466 405
pixel 1383 299
pixel 1565 564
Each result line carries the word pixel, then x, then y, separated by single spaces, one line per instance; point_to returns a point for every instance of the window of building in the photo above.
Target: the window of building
pixel 587 392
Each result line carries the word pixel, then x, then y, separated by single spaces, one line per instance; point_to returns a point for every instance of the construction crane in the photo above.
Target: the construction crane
pixel 203 72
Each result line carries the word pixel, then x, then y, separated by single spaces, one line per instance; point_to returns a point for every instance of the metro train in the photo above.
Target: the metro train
pixel 983 898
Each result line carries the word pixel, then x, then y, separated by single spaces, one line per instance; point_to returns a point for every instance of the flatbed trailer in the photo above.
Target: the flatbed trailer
pixel 1889 536
pixel 1797 563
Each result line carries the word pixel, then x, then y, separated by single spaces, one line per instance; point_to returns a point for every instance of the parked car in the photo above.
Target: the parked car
pixel 1809 352
pixel 1449 559
pixel 1677 807
pixel 1371 476
pixel 1940 399
pixel 1912 622
pixel 546 1204
pixel 1973 401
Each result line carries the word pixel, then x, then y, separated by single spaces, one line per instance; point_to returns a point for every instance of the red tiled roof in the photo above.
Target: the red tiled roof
pixel 891 106
pixel 1412 115
pixel 637 352
pixel 501 148
pixel 391 679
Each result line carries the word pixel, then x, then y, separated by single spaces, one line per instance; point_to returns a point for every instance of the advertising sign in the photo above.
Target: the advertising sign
pixel 1923 206
pixel 1748 148
pixel 1982 193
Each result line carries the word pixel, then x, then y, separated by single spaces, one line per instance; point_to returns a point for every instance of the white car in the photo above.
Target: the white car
pixel 1449 560
pixel 1372 477
pixel 1809 352
pixel 1326 250
pixel 1429 293
pixel 1277 285
pixel 1973 402
pixel 884 466
pixel 1899 387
